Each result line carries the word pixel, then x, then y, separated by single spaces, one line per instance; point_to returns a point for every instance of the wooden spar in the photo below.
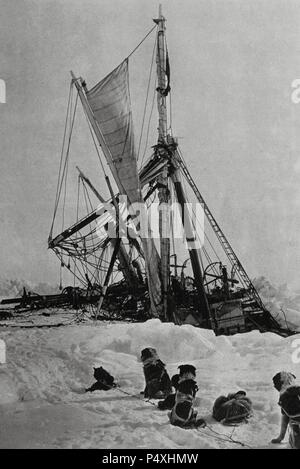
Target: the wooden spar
pixel 108 275
pixel 194 252
pixel 52 243
pixel 128 271
pixel 91 186
pixel 163 192
pixel 115 251
pixel 150 254
pixel 164 230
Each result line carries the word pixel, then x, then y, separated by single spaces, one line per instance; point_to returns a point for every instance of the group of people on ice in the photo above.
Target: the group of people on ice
pixel 233 409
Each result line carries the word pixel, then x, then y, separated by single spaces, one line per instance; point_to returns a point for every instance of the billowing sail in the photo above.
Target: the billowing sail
pixel 110 103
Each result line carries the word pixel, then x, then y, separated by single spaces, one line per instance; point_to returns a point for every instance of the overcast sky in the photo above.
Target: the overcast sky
pixel 232 65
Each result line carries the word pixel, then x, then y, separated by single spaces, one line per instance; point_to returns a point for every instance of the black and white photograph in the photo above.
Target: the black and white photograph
pixel 149 227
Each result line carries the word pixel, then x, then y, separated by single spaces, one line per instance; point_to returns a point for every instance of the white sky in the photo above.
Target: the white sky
pixel 232 65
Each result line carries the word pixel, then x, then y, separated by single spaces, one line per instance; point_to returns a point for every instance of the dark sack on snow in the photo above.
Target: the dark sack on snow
pixel 233 409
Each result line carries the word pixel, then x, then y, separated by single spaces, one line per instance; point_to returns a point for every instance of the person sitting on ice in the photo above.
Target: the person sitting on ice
pixel 158 383
pixel 104 380
pixel 232 409
pixel 289 401
pixel 183 413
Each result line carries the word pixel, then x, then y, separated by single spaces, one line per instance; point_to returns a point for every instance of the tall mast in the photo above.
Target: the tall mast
pixel 161 77
pixel 163 192
pixel 167 141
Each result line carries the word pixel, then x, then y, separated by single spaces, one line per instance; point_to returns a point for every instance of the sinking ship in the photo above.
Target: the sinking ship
pixel 120 267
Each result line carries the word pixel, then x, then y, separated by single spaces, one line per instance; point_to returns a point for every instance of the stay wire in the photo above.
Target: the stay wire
pixel 141 42
pixel 146 100
pixel 148 128
pixel 68 153
pixel 89 208
pixel 61 158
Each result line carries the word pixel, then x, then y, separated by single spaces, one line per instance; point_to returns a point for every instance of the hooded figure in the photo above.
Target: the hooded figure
pixel 289 401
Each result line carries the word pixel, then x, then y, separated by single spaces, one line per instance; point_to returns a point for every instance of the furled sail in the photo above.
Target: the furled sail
pixel 110 103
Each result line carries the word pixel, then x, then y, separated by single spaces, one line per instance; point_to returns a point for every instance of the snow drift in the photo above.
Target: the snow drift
pixel 283 303
pixel 48 369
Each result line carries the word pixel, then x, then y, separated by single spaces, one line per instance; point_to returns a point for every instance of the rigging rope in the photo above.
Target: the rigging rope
pixel 146 101
pixel 66 160
pixel 223 437
pixel 61 160
pixel 238 274
pixel 170 96
pixel 87 199
pixel 77 218
pixel 140 43
pixel 149 122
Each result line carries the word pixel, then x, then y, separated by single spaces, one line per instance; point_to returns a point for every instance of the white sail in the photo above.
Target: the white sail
pixel 110 102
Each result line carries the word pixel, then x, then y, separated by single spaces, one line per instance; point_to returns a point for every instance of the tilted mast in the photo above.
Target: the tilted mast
pixel 107 106
pixel 121 253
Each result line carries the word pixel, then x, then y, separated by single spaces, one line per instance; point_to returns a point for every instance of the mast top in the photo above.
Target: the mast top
pixel 161 19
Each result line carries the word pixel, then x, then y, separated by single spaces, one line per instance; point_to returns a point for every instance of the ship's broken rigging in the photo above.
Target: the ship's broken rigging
pixel 133 274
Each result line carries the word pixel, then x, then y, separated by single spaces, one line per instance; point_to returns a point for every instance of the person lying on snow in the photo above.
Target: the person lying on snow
pixel 104 380
pixel 183 413
pixel 158 383
pixel 289 401
pixel 232 409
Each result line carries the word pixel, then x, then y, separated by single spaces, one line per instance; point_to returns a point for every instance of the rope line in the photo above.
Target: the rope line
pixel 216 435
pixel 148 128
pixel 146 100
pixel 61 159
pixel 140 43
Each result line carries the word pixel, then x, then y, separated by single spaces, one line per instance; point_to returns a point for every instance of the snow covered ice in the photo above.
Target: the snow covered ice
pixel 43 403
